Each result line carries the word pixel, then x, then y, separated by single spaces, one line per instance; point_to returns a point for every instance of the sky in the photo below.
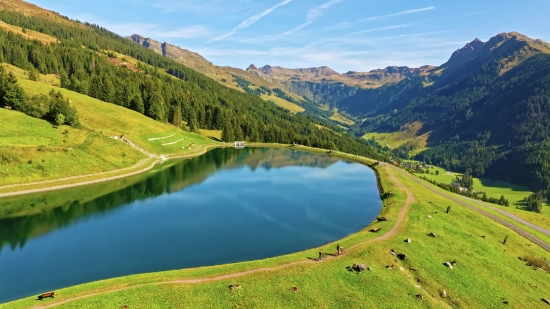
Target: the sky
pixel 346 35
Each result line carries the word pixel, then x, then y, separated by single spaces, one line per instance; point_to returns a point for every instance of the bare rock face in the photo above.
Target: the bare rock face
pixel 184 56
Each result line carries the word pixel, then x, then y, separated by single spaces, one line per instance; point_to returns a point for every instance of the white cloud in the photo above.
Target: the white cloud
pixel 147 29
pixel 379 29
pixel 345 53
pixel 399 13
pixel 251 20
pixel 204 8
pixel 312 15
pixel 351 24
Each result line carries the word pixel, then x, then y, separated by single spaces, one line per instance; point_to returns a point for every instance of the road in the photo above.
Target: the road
pixel 453 197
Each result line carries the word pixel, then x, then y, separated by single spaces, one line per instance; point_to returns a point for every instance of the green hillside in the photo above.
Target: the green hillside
pixel 485 109
pixel 87 61
pixel 34 149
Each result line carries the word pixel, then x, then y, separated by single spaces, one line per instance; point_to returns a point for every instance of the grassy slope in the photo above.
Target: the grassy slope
pixel 28 34
pixel 472 284
pixel 294 108
pixel 62 152
pixel 513 193
pixel 408 137
pixel 35 150
pixel 339 118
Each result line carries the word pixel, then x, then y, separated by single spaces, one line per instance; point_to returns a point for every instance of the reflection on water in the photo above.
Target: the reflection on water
pixel 249 204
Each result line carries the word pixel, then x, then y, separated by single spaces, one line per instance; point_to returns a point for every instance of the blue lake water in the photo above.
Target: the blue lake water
pixel 225 206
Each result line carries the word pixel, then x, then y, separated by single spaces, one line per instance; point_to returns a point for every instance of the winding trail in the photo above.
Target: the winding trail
pixel 394 231
pixel 454 198
pixel 158 159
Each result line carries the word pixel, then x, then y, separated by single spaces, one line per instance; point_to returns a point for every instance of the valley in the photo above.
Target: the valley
pixel 121 184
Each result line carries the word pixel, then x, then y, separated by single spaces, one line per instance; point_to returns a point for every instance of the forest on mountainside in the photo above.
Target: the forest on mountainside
pixel 159 87
pixel 481 115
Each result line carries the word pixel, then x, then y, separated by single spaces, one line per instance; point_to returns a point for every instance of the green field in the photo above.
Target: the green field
pixel 408 137
pixel 472 283
pixel 294 108
pixel 34 150
pixel 493 188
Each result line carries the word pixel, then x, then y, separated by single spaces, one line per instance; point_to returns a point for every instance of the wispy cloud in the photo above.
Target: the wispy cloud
pixel 153 31
pixel 312 15
pixel 203 8
pixel 251 20
pixel 379 29
pixel 351 24
pixel 399 13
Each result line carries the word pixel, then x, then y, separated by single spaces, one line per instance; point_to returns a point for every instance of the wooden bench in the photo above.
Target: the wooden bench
pixel 44 295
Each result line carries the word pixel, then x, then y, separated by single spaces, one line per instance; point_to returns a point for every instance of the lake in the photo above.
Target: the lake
pixel 225 206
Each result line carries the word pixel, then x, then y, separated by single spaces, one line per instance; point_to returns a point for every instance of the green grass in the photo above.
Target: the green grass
pixel 212 134
pixel 488 272
pixel 496 188
pixel 341 119
pixel 294 108
pixel 34 150
pixel 409 137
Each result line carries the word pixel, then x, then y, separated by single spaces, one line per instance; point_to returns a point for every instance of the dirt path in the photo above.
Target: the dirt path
pixel 89 182
pixel 454 198
pixel 394 231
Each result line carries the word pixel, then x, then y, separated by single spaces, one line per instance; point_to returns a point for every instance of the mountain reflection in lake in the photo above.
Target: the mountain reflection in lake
pixel 225 206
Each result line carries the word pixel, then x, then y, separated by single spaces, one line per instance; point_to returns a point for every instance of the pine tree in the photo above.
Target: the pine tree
pixel 10 93
pixel 192 121
pixel 156 107
pixel 136 104
pixel 176 116
pixel 228 134
pixel 95 87
pixel 239 136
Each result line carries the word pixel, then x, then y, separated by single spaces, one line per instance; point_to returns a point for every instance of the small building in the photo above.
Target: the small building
pixel 239 145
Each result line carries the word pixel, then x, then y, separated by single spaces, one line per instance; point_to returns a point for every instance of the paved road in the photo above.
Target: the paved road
pixel 453 197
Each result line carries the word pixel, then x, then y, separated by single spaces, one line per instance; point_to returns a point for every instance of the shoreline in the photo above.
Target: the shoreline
pixel 19 188
pixel 54 187
pixel 393 231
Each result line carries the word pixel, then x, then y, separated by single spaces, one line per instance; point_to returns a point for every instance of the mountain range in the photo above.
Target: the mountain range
pixel 504 79
pixel 485 109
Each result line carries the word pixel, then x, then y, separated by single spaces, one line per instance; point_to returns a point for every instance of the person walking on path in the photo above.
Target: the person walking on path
pixel 321 255
pixel 339 250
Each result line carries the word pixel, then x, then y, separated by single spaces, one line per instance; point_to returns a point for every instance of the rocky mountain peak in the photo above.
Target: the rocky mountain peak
pixel 251 67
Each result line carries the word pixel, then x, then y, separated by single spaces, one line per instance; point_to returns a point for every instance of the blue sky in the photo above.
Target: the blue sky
pixel 346 35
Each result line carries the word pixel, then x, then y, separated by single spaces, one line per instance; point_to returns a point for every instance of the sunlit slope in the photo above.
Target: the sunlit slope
pixel 33 150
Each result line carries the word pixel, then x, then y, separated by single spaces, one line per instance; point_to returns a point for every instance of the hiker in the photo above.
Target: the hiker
pixel 338 248
pixel 321 255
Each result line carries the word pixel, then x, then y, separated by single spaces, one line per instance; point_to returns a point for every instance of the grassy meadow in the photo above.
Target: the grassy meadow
pixel 34 150
pixel 292 107
pixel 487 274
pixel 341 119
pixel 495 188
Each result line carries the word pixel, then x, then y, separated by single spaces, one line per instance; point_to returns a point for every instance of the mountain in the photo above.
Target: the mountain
pixel 232 77
pixel 183 56
pixel 487 108
pixel 326 87
pixel 40 81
